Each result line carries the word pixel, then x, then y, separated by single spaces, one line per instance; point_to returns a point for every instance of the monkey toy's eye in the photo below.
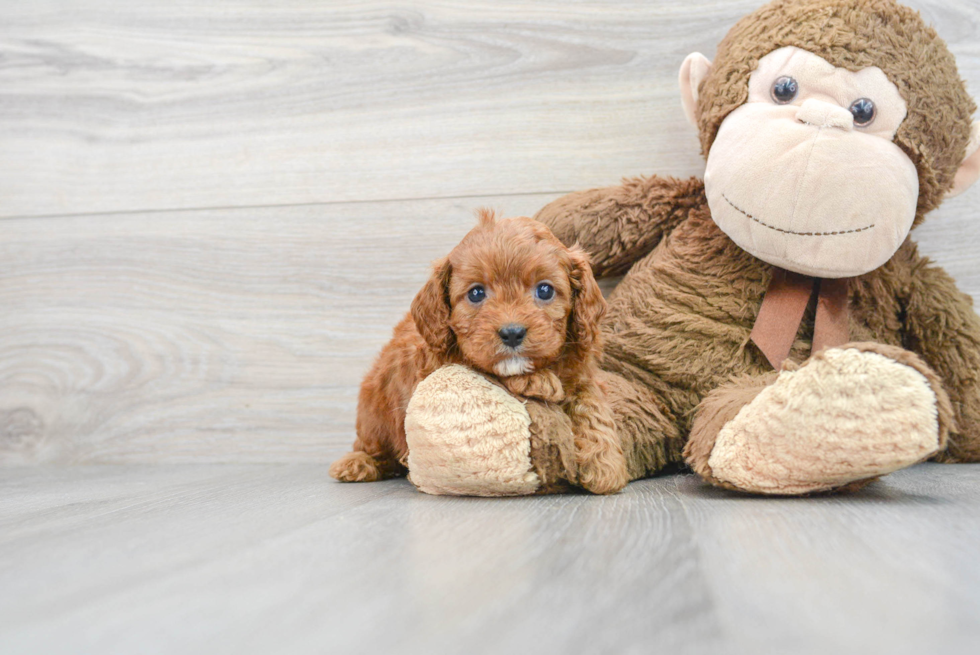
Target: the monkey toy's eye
pixel 544 291
pixel 863 111
pixel 476 295
pixel 784 90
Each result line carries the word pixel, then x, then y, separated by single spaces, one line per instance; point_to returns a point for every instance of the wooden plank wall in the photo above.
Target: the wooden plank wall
pixel 211 214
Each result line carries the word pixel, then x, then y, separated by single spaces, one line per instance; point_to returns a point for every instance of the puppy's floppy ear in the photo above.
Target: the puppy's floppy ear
pixel 588 305
pixel 430 309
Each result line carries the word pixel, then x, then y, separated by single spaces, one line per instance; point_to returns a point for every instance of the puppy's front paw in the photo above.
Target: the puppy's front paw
pixel 601 464
pixel 544 385
pixel 605 474
pixel 599 454
pixel 356 467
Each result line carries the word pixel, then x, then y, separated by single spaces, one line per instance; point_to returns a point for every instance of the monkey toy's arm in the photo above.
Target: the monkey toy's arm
pixel 942 327
pixel 620 224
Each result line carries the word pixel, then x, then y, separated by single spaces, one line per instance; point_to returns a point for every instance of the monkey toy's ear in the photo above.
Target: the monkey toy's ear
pixel 693 71
pixel 970 168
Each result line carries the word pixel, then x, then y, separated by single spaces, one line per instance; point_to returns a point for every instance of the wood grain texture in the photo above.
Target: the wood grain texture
pixel 222 335
pixel 212 214
pixel 277 558
pixel 131 331
pixel 232 335
pixel 123 106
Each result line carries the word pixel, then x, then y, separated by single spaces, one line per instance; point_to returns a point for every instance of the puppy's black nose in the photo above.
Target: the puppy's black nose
pixel 512 335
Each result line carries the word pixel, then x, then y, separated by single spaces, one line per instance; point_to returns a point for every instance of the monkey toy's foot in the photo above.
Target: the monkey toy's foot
pixel 469 437
pixel 844 418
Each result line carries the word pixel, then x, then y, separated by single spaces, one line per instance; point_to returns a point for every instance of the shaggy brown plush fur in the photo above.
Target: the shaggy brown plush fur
pixel 679 322
pixel 677 334
pixel 555 358
pixel 685 380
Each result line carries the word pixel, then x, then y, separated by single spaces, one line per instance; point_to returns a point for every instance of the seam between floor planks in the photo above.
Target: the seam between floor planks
pixel 325 203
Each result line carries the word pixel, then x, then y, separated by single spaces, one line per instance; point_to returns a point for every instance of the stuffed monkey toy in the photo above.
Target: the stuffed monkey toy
pixel 776 329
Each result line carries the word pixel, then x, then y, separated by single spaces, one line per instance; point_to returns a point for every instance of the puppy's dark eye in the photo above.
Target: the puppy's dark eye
pixel 784 90
pixel 476 295
pixel 544 291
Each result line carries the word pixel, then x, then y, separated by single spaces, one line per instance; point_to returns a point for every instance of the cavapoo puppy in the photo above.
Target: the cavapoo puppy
pixel 513 302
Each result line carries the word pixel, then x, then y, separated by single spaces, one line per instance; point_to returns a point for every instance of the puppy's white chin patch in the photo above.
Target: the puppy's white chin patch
pixel 513 366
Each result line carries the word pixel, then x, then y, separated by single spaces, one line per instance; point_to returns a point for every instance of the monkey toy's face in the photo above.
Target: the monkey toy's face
pixel 830 128
pixel 805 176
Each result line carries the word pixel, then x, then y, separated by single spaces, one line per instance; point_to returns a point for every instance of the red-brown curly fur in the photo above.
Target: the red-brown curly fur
pixel 555 361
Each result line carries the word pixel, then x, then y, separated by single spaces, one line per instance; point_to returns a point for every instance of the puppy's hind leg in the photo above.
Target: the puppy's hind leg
pixel 360 465
pixel 356 466
pixel 379 452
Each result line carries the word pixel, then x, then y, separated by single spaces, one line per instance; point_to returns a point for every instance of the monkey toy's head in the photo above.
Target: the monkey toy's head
pixel 830 128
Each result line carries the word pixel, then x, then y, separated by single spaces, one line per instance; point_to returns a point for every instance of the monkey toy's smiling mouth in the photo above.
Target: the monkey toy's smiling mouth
pixel 785 231
pixel 838 250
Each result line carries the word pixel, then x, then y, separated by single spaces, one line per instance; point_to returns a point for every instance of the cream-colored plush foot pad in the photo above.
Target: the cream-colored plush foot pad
pixel 468 437
pixel 846 415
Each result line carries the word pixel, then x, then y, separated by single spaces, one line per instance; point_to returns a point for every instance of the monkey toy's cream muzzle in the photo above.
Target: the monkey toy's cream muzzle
pixel 800 188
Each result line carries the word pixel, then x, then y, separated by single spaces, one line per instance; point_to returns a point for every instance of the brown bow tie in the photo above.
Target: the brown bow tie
pixel 782 311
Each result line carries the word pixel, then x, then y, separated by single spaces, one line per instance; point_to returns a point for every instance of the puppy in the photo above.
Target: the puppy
pixel 513 302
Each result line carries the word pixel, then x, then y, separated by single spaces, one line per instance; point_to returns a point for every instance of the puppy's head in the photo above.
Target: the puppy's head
pixel 511 299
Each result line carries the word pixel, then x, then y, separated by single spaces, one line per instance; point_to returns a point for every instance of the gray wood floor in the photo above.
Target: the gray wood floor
pixel 278 559
pixel 211 214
